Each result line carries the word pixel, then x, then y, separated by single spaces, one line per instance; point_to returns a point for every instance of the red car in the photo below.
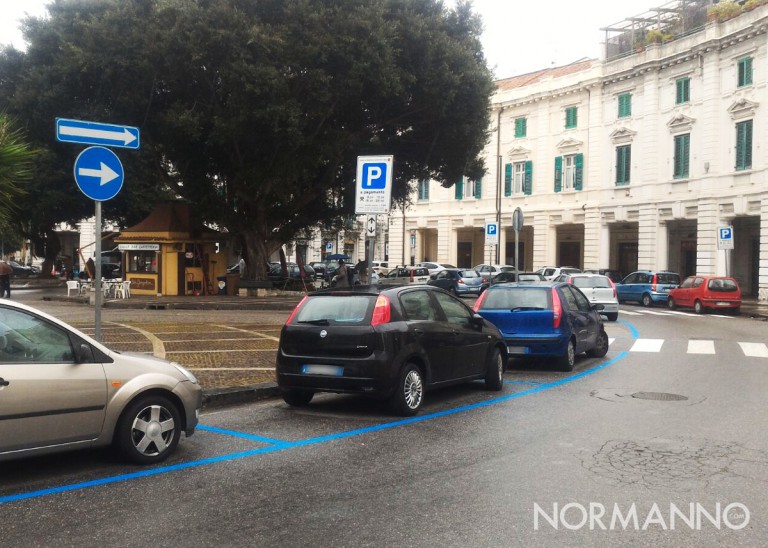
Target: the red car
pixel 702 292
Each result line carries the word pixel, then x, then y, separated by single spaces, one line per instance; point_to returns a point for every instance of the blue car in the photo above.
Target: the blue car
pixel 545 319
pixel 647 287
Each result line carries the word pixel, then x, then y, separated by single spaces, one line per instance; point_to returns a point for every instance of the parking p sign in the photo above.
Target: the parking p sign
pixel 374 184
pixel 725 237
pixel 492 233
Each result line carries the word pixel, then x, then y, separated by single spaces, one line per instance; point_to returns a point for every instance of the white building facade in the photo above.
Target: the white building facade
pixel 630 163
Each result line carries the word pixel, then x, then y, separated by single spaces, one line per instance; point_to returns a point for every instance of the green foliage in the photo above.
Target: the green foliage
pixel 749 5
pixel 16 157
pixel 723 11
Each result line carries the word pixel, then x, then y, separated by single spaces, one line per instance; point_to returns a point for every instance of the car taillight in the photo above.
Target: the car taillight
pixel 381 312
pixel 301 303
pixel 461 282
pixel 613 285
pixel 653 284
pixel 479 302
pixel 557 308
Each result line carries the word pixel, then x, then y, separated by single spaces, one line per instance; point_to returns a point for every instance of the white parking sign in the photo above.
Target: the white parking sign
pixel 725 237
pixel 373 189
pixel 492 233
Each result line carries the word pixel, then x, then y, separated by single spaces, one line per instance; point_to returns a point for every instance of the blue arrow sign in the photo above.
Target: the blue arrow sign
pixel 94 133
pixel 99 173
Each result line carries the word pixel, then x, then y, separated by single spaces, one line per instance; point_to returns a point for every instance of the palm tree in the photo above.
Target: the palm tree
pixel 16 161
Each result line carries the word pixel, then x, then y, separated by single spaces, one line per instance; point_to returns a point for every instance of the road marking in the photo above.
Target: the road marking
pixel 628 313
pixel 158 347
pixel 647 345
pixel 220 351
pixel 754 350
pixel 610 340
pixel 248 331
pixel 701 347
pixel 722 316
pixel 656 313
pixel 191 368
pixel 682 313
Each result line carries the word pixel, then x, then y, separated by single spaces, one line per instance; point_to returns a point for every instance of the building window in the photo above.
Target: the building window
pixel 745 71
pixel 519 177
pixel 623 160
pixel 459 189
pixel 625 105
pixel 142 261
pixel 571 117
pixel 569 172
pixel 475 188
pixel 744 145
pixel 521 127
pixel 682 91
pixel 423 190
pixel 682 155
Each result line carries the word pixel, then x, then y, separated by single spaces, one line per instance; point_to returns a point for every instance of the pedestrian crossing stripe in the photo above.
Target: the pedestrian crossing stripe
pixel 671 313
pixel 695 346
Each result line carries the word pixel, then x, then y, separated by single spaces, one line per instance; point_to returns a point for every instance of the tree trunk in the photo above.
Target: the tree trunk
pixel 258 250
pixel 52 248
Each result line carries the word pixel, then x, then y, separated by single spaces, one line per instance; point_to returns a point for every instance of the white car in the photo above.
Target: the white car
pixel 381 267
pixel 552 272
pixel 598 289
pixel 62 390
pixel 434 268
pixel 488 271
pixel 402 275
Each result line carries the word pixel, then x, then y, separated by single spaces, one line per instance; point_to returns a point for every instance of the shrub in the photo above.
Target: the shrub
pixel 723 11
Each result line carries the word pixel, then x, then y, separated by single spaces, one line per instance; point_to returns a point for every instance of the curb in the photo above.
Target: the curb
pixel 223 397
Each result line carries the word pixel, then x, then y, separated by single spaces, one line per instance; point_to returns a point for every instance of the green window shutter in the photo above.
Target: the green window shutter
pixel 682 156
pixel 478 188
pixel 625 105
pixel 745 71
pixel 683 90
pixel 558 173
pixel 623 162
pixel 520 127
pixel 459 189
pixel 528 181
pixel 744 145
pixel 578 182
pixel 508 180
pixel 571 117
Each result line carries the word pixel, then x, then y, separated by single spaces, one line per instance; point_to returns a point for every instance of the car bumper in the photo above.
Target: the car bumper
pixel 720 303
pixel 191 396
pixel 550 345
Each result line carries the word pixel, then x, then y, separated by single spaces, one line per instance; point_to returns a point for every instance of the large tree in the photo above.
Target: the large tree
pixel 257 110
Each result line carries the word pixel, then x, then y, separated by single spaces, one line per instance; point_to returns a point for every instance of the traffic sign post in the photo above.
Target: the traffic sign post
pixel 725 241
pixel 517 224
pixel 373 188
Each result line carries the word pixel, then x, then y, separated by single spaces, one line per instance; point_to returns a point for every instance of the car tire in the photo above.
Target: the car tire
pixel 409 391
pixel 494 371
pixel 646 300
pixel 148 430
pixel 568 359
pixel 671 303
pixel 452 290
pixel 736 311
pixel 298 398
pixel 698 307
pixel 601 345
pixel 612 317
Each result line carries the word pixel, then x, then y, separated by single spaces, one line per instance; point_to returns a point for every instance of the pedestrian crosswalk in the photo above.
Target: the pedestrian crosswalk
pixel 645 312
pixel 693 346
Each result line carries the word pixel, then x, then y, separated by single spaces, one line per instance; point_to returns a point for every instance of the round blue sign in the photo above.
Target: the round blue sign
pixel 99 173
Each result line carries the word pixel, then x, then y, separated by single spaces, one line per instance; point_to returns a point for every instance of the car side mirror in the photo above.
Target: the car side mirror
pixel 84 354
pixel 477 321
pixel 598 307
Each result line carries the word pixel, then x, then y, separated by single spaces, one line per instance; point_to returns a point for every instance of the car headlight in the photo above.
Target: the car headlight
pixel 184 371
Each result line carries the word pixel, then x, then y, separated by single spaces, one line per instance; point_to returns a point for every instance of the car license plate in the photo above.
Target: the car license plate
pixel 517 349
pixel 319 369
pixel 723 304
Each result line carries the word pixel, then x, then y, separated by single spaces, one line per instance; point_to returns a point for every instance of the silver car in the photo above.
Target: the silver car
pixel 62 390
pixel 598 289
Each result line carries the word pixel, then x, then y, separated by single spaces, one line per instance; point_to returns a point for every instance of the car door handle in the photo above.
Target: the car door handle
pixel 4 382
pixel 418 331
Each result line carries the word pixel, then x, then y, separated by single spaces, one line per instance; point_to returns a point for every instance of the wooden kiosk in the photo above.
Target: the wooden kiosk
pixel 165 255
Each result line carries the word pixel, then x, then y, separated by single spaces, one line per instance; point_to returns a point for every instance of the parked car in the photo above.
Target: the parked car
pixel 598 289
pixel 647 287
pixel 552 272
pixel 62 390
pixel 615 275
pixel 458 282
pixel 381 267
pixel 707 292
pixel 488 271
pixel 276 273
pixel 545 319
pixel 19 270
pixel 110 271
pixel 405 275
pixel 506 277
pixel 434 268
pixel 393 343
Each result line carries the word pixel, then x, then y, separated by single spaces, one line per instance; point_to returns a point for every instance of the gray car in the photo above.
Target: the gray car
pixel 62 390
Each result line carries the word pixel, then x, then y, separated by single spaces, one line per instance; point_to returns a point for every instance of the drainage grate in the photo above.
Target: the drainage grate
pixel 658 396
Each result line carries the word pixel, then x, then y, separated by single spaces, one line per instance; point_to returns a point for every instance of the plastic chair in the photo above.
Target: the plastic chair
pixel 73 285
pixel 127 288
pixel 119 291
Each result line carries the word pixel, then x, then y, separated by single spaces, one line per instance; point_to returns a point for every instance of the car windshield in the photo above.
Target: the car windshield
pixel 722 285
pixel 591 282
pixel 468 274
pixel 328 309
pixel 667 278
pixel 517 298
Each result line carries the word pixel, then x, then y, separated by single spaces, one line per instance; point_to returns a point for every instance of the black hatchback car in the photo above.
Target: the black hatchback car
pixel 387 342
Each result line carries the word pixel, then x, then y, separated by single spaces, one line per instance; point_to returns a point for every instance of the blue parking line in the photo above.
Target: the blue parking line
pixel 237 434
pixel 526 383
pixel 283 445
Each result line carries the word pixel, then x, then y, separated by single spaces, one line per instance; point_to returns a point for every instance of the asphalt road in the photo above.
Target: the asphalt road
pixel 673 418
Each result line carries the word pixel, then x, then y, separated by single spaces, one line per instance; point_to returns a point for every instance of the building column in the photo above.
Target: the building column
pixel 662 246
pixel 595 253
pixel 762 275
pixel 503 259
pixel 706 238
pixel 544 241
pixel 647 238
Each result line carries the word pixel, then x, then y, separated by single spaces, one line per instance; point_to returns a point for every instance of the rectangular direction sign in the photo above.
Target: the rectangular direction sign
pixel 96 133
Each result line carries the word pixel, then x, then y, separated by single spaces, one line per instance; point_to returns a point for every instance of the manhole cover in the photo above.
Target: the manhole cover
pixel 658 396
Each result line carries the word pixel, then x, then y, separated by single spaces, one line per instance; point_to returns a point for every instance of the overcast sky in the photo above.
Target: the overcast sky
pixel 519 36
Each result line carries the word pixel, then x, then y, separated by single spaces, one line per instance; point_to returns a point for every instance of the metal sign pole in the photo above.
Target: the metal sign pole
pixel 517 247
pixel 97 273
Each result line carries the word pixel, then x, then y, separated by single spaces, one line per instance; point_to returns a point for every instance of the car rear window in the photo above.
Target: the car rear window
pixel 420 272
pixel 346 309
pixel 666 278
pixel 468 274
pixel 511 298
pixel 722 286
pixel 596 282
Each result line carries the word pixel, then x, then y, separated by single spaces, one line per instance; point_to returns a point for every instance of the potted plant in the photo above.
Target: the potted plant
pixel 722 11
pixel 654 36
pixel 752 4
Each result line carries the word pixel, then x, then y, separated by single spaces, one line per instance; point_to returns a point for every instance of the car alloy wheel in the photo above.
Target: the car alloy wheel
pixel 409 393
pixel 568 359
pixel 149 430
pixel 494 373
pixel 697 307
pixel 671 303
pixel 647 300
pixel 601 345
